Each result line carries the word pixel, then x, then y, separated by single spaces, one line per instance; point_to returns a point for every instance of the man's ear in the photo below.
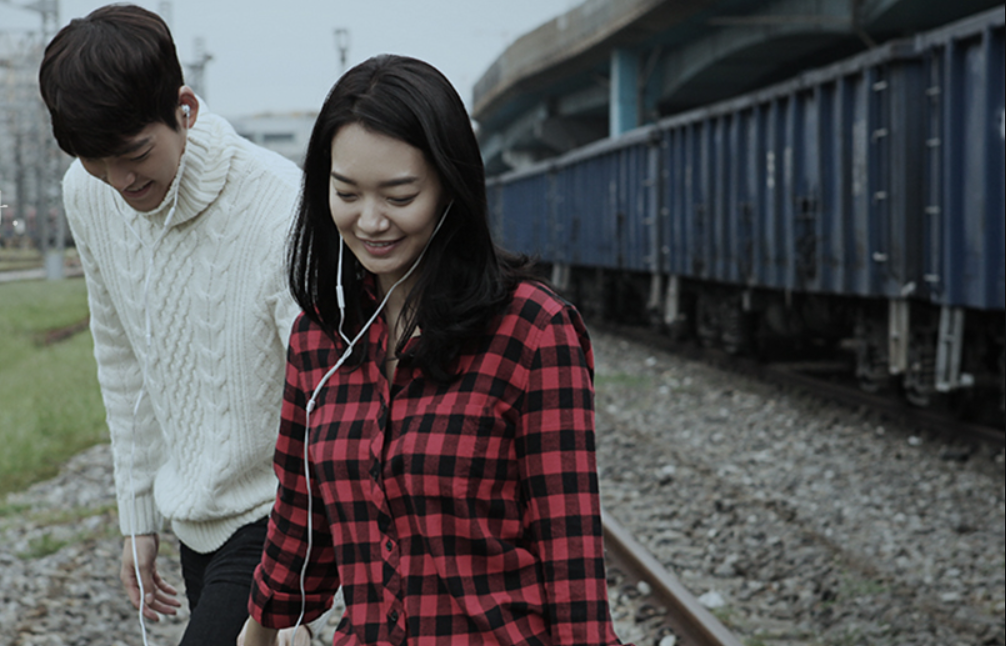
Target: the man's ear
pixel 187 99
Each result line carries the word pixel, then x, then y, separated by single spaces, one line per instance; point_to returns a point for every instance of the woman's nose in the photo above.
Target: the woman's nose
pixel 372 218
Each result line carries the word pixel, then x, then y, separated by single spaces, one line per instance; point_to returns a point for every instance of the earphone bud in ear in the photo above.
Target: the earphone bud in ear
pixel 187 111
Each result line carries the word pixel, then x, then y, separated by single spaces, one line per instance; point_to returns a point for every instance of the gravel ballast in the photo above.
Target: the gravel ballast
pixel 795 521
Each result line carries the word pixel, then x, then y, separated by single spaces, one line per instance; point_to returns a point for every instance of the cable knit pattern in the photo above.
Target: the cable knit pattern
pixel 199 451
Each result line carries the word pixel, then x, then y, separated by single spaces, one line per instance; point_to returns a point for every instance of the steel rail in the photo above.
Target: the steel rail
pixel 690 621
pixel 929 420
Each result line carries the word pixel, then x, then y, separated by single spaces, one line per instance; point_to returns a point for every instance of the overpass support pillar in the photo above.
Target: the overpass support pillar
pixel 624 102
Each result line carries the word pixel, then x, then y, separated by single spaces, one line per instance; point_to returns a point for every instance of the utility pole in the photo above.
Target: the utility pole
pixel 342 45
pixel 196 76
pixel 165 11
pixel 195 72
pixel 49 9
pixel 49 219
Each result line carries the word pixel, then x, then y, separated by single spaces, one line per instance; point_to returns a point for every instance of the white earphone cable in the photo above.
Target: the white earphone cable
pixel 148 336
pixel 314 396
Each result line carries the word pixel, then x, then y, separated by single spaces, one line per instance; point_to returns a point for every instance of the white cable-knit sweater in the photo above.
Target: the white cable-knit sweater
pixel 199 451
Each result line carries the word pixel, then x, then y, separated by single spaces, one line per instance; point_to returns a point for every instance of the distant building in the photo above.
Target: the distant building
pixel 285 133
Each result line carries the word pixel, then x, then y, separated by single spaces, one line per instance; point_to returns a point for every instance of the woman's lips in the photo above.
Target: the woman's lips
pixel 379 248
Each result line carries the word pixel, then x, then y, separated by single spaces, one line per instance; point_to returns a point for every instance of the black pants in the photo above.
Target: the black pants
pixel 218 584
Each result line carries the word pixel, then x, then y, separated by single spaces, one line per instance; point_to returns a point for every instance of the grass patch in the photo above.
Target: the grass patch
pixel 16 259
pixel 42 547
pixel 50 403
pixel 851 637
pixel 11 509
pixel 854 587
pixel 724 614
pixel 623 379
pixel 48 543
pixel 50 517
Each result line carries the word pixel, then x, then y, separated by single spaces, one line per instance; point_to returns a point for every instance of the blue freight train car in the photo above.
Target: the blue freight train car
pixel 859 202
pixel 964 234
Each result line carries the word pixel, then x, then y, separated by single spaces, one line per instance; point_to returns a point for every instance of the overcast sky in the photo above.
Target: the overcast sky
pixel 280 55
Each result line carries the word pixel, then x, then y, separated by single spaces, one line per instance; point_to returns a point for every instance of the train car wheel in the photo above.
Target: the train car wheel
pixel 736 336
pixel 872 371
pixel 920 376
pixel 707 326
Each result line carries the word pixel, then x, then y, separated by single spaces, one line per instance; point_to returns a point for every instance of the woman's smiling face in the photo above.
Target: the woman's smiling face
pixel 385 199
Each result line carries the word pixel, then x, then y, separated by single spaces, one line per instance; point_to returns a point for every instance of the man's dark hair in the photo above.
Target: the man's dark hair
pixel 108 76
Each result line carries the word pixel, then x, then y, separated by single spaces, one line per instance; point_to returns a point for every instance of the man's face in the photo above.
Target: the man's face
pixel 143 170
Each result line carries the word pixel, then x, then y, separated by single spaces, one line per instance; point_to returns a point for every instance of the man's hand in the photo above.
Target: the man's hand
pixel 160 597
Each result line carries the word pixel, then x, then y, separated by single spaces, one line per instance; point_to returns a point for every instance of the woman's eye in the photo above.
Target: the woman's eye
pixel 401 201
pixel 344 196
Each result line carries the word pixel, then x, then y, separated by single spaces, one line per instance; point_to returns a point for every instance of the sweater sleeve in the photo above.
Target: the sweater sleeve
pixel 559 476
pixel 284 308
pixel 276 600
pixel 137 443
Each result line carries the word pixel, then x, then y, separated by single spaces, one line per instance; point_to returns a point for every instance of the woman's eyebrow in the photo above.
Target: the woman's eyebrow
pixel 398 181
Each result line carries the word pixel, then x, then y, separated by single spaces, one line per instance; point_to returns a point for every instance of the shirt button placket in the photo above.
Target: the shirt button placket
pixel 396 634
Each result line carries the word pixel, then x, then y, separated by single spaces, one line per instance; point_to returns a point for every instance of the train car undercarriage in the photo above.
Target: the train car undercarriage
pixel 932 356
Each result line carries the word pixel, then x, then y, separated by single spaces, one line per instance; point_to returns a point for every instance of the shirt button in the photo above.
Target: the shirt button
pixel 375 471
pixel 389 546
pixel 393 616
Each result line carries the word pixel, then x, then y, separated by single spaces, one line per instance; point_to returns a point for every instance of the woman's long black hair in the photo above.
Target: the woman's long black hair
pixel 464 280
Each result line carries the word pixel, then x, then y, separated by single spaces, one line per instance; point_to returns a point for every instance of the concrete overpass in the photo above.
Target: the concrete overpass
pixel 607 66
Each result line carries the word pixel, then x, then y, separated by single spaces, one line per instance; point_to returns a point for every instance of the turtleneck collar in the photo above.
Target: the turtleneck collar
pixel 208 158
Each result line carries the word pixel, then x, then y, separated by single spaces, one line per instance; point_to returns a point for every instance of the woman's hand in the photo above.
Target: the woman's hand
pixel 286 637
pixel 253 634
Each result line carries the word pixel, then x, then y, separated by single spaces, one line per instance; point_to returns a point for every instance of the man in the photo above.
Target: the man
pixel 181 228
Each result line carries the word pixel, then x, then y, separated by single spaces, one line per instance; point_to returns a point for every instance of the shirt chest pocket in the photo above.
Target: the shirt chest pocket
pixel 455 460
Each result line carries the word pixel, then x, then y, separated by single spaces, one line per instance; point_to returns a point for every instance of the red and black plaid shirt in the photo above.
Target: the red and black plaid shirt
pixel 464 513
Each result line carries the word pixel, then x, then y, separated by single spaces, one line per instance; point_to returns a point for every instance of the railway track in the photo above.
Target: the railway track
pixel 798 520
pixel 675 616
pixel 820 379
pixel 928 420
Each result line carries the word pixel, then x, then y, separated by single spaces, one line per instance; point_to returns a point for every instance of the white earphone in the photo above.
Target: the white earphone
pixel 149 249
pixel 314 395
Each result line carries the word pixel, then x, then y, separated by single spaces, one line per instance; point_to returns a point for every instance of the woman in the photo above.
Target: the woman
pixel 445 393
